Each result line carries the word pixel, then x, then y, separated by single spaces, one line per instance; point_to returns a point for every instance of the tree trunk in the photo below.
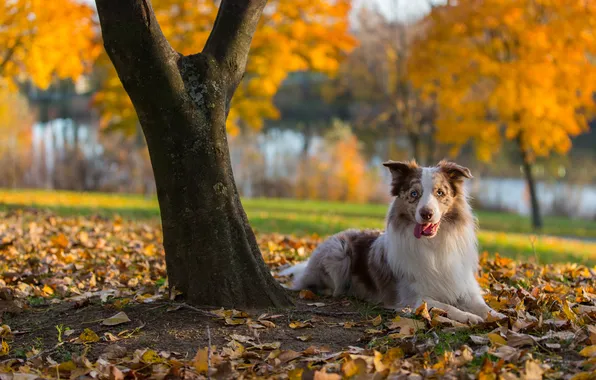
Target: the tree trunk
pixel 527 165
pixel 182 103
pixel 415 145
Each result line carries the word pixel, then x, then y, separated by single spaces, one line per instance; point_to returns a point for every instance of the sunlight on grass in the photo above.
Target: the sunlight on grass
pixel 506 234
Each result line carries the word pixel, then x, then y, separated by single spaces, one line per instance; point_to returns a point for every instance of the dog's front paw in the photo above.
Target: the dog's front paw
pixel 465 317
pixel 495 316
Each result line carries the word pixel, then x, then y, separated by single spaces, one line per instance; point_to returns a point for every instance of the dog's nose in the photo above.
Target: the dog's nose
pixel 426 213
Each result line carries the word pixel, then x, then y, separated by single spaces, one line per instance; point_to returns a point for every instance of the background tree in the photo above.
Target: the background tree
pixel 293 35
pixel 520 70
pixel 182 102
pixel 377 78
pixel 45 39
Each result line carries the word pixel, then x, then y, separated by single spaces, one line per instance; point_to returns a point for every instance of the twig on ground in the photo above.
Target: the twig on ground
pixel 202 312
pixel 46 351
pixel 329 313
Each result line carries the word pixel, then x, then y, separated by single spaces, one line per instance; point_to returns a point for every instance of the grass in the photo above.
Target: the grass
pixel 506 234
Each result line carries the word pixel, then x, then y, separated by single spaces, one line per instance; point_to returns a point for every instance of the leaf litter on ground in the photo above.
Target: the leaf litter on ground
pixel 549 332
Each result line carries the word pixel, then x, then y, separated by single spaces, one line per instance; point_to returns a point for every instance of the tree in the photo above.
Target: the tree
pixel 518 70
pixel 376 75
pixel 34 35
pixel 182 102
pixel 293 35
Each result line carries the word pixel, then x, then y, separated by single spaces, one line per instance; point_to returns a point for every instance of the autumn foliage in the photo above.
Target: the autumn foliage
pixel 88 297
pixel 514 70
pixel 292 36
pixel 44 40
pixel 337 171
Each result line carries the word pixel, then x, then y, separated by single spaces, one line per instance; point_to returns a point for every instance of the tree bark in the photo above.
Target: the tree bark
pixel 527 166
pixel 182 103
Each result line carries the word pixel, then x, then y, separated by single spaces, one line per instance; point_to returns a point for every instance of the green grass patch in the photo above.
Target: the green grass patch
pixel 508 234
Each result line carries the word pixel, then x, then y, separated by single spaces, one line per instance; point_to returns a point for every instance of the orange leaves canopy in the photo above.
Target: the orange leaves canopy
pixel 292 35
pixel 522 67
pixel 42 39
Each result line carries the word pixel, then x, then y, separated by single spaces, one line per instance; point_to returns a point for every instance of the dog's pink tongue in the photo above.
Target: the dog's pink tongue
pixel 418 230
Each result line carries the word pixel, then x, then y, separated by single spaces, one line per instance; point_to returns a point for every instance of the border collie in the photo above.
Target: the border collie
pixel 428 252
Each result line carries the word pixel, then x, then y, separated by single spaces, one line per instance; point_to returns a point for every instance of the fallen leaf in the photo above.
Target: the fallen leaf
pixel 422 311
pixel 151 357
pixel 201 360
pixel 299 325
pixel 288 356
pixel 592 334
pixel 4 348
pixel 321 375
pixel 306 294
pixel 353 368
pixel 480 339
pixel 67 366
pixel 533 370
pixel 316 304
pixel 588 352
pixel 304 338
pixel 117 319
pixel 235 321
pixel 377 320
pixel 407 327
pixel 496 339
pixel 88 336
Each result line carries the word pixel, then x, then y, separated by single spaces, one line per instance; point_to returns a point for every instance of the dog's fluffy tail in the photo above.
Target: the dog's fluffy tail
pixel 297 271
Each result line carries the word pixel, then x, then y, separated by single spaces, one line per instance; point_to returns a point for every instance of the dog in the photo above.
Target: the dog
pixel 428 252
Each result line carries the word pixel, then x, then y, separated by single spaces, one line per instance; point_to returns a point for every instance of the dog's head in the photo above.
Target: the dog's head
pixel 427 196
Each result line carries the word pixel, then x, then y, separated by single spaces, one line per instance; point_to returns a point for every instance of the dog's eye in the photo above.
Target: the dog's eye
pixel 414 194
pixel 440 193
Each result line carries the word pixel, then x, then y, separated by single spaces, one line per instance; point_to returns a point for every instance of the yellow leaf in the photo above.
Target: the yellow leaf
pixel 295 374
pixel 299 325
pixel 88 336
pixel 422 311
pixel 352 368
pixel 235 321
pixel 201 360
pixel 5 349
pixel 151 357
pixel 496 339
pixel 588 352
pixel 67 366
pixel 49 291
pixel 304 338
pixel 60 241
pixel 377 321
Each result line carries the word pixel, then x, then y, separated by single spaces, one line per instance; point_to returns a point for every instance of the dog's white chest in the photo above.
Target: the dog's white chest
pixel 442 269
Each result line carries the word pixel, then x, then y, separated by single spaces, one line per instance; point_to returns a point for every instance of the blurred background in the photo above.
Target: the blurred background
pixel 333 88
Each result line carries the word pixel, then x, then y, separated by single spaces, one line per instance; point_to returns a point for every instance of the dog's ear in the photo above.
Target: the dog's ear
pixel 454 171
pixel 401 172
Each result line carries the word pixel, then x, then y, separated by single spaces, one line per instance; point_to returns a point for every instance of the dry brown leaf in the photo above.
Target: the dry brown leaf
pixel 117 319
pixel 352 368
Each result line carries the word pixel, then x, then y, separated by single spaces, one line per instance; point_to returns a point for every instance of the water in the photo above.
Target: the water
pixel 511 194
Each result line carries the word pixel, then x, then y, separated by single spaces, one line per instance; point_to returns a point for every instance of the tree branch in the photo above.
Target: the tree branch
pixel 230 39
pixel 132 37
pixel 9 53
